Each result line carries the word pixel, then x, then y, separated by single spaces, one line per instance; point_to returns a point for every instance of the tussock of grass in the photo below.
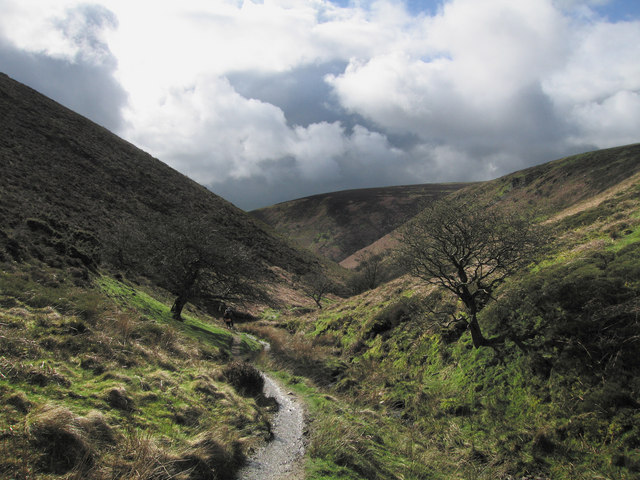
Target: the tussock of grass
pixel 63 438
pixel 102 384
pixel 245 378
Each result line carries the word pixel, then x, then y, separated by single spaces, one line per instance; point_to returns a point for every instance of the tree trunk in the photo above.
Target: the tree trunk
pixel 476 333
pixel 178 305
pixel 479 340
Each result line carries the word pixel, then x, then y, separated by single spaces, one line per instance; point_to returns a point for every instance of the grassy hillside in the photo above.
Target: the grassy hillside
pixel 397 394
pixel 338 224
pixel 99 382
pixel 567 185
pixel 552 187
pixel 72 191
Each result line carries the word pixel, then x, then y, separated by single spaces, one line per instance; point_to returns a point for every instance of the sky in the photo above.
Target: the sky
pixel 267 101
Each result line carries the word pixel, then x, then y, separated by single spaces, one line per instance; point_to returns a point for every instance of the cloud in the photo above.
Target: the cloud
pixel 476 78
pixel 75 68
pixel 609 123
pixel 218 136
pixel 266 101
pixel 301 93
pixel 500 85
pixel 597 89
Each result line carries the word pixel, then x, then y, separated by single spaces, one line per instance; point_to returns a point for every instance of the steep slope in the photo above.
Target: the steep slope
pixel 68 185
pixel 554 186
pixel 338 224
pixel 98 380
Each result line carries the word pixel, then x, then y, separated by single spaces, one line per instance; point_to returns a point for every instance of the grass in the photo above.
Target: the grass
pixel 101 383
pixel 404 400
pixel 203 330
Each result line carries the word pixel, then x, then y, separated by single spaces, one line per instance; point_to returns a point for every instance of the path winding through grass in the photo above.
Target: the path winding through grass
pixel 282 457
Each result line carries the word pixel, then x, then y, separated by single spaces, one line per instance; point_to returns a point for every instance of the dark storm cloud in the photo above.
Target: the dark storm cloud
pixel 305 98
pixel 84 83
pixel 302 93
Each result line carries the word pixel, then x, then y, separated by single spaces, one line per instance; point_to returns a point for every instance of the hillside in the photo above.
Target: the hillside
pixel 401 394
pixel 98 378
pixel 578 181
pixel 71 189
pixel 338 224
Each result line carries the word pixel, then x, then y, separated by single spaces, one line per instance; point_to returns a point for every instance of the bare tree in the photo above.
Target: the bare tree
pixel 315 286
pixel 198 264
pixel 469 250
pixel 368 274
pixel 370 267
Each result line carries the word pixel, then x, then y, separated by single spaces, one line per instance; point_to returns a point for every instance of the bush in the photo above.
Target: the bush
pixel 392 316
pixel 244 377
pixel 212 455
pixel 59 435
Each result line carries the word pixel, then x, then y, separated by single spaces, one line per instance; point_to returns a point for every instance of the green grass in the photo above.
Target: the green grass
pixel 113 355
pixel 195 327
pixel 424 407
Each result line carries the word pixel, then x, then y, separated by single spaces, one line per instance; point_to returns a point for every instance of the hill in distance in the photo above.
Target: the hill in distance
pixel 567 185
pixel 338 224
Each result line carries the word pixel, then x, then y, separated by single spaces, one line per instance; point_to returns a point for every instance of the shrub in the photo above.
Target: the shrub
pixel 118 398
pixel 392 316
pixel 244 377
pixel 59 435
pixel 212 456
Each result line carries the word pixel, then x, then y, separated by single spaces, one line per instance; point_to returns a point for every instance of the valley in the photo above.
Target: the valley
pixel 101 379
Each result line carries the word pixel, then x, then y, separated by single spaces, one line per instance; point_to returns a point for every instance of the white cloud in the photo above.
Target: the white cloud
pixel 476 90
pixel 480 57
pixel 603 60
pixel 213 134
pixel 609 123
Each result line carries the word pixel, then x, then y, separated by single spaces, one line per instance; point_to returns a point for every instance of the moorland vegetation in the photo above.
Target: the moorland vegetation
pixel 513 350
pixel 403 394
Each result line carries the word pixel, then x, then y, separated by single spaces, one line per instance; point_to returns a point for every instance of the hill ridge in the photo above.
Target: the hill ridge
pixel 337 224
pixel 53 160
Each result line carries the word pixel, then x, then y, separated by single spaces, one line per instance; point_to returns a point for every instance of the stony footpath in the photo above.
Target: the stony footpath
pixel 282 457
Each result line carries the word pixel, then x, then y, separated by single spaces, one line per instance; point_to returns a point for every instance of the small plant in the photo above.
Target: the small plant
pixel 244 377
pixel 60 436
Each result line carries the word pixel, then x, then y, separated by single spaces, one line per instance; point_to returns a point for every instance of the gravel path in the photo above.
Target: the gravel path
pixel 281 458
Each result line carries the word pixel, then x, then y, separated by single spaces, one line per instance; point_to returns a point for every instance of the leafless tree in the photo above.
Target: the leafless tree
pixel 468 249
pixel 196 263
pixel 315 286
pixel 368 274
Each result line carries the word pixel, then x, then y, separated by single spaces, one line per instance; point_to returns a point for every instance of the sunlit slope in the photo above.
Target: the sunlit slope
pixel 565 404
